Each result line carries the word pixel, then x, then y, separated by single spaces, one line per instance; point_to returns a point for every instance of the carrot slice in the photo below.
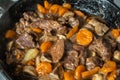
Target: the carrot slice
pixel 69 75
pixel 45 46
pixel 47 5
pixel 78 72
pixel 109 66
pixel 67 5
pixel 62 10
pixel 31 62
pixel 44 68
pixel 115 33
pixel 10 34
pixel 89 73
pixel 112 76
pixel 79 13
pixel 37 30
pixel 41 9
pixel 84 37
pixel 54 9
pixel 72 31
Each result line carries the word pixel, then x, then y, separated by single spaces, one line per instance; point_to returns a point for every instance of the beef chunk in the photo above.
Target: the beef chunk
pixel 110 40
pixel 92 62
pixel 22 26
pixel 30 16
pixel 101 48
pixel 71 60
pixel 25 41
pixel 57 50
pixel 68 45
pixel 82 53
pixel 49 25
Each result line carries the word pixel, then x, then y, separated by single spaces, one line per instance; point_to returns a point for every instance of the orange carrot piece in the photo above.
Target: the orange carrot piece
pixel 10 34
pixel 61 11
pixel 30 63
pixel 115 33
pixel 79 13
pixel 78 72
pixel 47 5
pixel 37 30
pixel 54 9
pixel 41 9
pixel 45 46
pixel 84 37
pixel 89 73
pixel 18 56
pixel 67 5
pixel 112 76
pixel 44 68
pixel 69 75
pixel 72 31
pixel 109 66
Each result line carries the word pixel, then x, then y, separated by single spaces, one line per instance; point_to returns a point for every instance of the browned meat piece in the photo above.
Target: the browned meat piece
pixel 101 48
pixel 68 45
pixel 110 40
pixel 99 27
pixel 12 57
pixel 49 25
pixel 22 26
pixel 30 16
pixel 92 62
pixel 82 53
pixel 25 41
pixel 57 50
pixel 71 60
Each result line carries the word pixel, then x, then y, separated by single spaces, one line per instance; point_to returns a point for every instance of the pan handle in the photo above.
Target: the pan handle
pixel 3 74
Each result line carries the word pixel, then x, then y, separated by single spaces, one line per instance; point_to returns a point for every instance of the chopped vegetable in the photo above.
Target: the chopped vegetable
pixel 62 10
pixel 37 30
pixel 44 68
pixel 47 5
pixel 30 70
pixel 112 76
pixel 69 75
pixel 10 34
pixel 115 33
pixel 98 77
pixel 72 31
pixel 45 46
pixel 116 55
pixel 79 13
pixel 41 8
pixel 109 66
pixel 67 5
pixel 89 73
pixel 78 72
pixel 18 56
pixel 30 54
pixel 54 9
pixel 30 63
pixel 84 37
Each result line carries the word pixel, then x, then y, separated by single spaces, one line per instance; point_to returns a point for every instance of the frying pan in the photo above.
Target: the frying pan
pixel 105 8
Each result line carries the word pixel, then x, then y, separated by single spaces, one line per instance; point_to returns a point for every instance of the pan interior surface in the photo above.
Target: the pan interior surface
pixel 103 8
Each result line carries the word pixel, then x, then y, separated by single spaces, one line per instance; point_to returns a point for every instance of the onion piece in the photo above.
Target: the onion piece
pixel 30 54
pixel 30 70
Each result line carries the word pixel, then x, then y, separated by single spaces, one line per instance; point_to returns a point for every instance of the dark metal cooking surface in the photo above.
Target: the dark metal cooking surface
pixel 104 8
